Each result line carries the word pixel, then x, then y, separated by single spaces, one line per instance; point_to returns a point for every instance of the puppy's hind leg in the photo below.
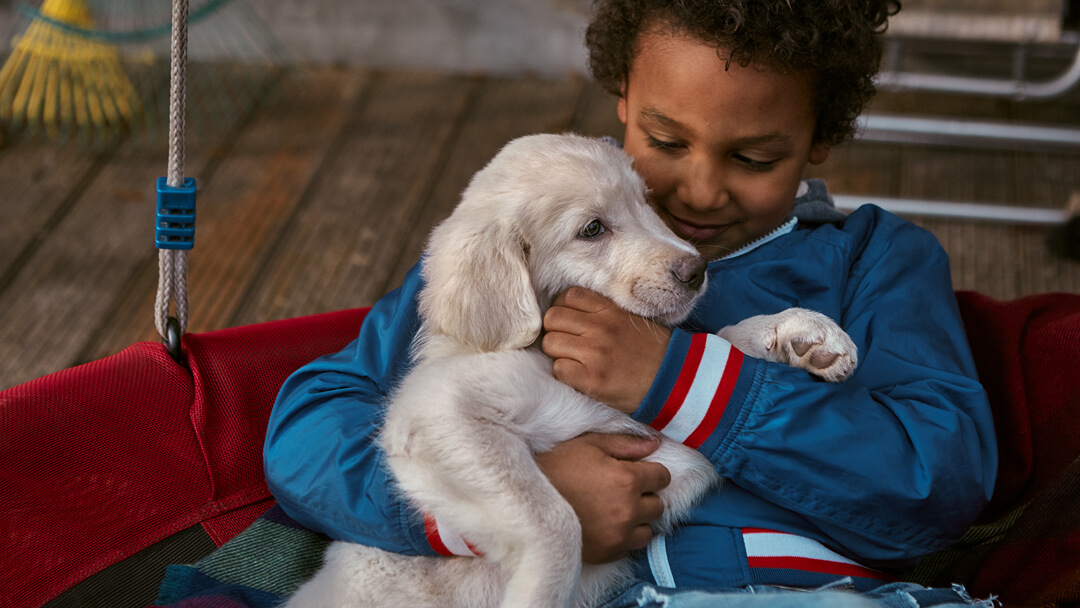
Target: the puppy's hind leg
pixel 481 479
pixel 692 476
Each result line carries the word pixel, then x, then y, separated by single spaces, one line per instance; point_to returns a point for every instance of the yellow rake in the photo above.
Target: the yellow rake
pixel 61 78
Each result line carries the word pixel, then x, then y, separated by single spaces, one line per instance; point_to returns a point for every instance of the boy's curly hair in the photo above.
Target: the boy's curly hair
pixel 839 41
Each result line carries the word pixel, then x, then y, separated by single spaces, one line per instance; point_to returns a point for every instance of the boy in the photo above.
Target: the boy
pixel 725 103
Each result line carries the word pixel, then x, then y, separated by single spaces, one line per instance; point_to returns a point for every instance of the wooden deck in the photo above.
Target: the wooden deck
pixel 322 198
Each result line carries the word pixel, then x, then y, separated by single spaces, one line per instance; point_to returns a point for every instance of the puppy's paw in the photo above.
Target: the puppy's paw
pixel 811 341
pixel 798 337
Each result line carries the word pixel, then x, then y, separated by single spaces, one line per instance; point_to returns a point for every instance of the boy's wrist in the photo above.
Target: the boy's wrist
pixel 696 381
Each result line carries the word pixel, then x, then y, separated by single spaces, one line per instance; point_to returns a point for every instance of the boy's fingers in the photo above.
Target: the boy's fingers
pixel 568 371
pixel 627 447
pixel 560 319
pixel 641 537
pixel 654 476
pixel 652 508
pixel 581 299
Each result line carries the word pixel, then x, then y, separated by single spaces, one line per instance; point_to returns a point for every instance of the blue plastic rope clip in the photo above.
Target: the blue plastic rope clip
pixel 175 215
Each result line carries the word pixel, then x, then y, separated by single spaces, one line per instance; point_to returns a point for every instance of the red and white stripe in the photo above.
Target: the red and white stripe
pixel 771 549
pixel 445 541
pixel 701 392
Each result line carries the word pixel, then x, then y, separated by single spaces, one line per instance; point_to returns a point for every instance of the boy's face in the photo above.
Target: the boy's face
pixel 722 150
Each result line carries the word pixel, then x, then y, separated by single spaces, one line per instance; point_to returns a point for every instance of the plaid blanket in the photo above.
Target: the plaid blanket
pixel 258 568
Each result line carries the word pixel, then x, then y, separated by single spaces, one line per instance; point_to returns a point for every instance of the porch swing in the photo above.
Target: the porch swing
pixel 116 468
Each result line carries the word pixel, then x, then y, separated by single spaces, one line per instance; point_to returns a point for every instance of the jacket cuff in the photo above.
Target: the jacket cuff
pixel 702 383
pixel 444 540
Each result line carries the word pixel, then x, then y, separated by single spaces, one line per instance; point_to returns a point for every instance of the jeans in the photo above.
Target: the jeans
pixel 895 595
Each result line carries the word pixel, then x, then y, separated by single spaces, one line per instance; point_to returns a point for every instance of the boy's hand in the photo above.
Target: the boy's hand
pixel 610 489
pixel 602 350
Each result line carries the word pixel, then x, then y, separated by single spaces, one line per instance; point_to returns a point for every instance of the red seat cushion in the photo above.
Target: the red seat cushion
pixel 1028 355
pixel 107 458
pixel 102 460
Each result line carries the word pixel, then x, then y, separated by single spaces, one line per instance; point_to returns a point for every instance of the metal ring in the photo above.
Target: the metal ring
pixel 172 340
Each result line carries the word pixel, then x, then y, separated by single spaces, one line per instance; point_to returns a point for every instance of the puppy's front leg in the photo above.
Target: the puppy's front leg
pixel 798 337
pixel 480 478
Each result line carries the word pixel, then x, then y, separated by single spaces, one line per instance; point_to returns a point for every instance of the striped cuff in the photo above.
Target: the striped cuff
pixel 698 379
pixel 445 541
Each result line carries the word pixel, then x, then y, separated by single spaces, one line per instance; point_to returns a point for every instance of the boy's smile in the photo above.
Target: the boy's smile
pixel 722 148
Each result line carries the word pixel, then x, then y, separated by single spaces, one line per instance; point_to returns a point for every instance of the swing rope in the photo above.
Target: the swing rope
pixel 176 200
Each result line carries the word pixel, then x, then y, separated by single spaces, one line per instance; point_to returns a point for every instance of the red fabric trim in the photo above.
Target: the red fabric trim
pixel 719 401
pixel 761 531
pixel 682 383
pixel 807 564
pixel 431 531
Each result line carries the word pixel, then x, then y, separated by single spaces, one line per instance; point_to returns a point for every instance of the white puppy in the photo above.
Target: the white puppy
pixel 549 212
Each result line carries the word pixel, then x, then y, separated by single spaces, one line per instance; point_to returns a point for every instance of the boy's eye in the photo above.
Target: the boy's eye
pixel 663 146
pixel 592 230
pixel 754 165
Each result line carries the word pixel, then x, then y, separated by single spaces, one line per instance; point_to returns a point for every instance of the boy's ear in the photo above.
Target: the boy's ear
pixel 622 103
pixel 819 153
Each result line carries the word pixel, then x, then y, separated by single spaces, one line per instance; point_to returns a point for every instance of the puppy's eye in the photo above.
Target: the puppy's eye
pixel 592 230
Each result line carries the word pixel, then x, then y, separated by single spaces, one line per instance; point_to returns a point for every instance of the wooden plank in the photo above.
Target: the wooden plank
pixel 67 287
pixel 993 258
pixel 1041 271
pixel 1044 7
pixel 505 109
pixel 861 168
pixel 1001 260
pixel 965 176
pixel 1047 180
pixel 244 205
pixel 340 249
pixel 958 174
pixel 943 105
pixel 41 180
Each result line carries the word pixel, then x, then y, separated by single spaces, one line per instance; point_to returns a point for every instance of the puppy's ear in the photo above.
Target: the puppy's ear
pixel 477 285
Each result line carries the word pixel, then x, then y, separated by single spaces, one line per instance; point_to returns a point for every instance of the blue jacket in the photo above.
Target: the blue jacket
pixel 824 480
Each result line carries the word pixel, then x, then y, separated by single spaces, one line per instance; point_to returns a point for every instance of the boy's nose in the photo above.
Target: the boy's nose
pixel 703 188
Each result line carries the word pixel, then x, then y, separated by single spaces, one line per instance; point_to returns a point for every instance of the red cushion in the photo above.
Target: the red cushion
pixel 104 459
pixel 107 458
pixel 1028 355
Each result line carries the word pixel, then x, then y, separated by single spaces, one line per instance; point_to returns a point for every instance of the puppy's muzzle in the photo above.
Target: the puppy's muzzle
pixel 690 271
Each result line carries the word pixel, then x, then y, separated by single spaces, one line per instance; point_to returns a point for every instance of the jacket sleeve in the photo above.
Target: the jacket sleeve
pixel 892 464
pixel 320 455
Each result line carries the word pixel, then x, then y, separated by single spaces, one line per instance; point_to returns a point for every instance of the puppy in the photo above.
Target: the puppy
pixel 548 212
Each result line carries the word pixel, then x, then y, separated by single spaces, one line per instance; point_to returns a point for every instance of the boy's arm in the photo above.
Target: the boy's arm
pixel 320 455
pixel 893 463
pixel 324 467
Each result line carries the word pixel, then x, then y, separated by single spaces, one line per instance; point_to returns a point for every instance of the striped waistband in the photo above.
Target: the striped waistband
pixel 772 558
pixel 769 549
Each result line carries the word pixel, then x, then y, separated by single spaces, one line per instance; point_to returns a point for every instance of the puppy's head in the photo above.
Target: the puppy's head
pixel 547 213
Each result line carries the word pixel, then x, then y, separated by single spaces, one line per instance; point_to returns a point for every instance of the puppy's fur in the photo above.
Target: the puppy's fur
pixel 462 428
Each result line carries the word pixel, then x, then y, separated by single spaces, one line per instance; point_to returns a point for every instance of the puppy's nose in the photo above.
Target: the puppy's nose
pixel 690 271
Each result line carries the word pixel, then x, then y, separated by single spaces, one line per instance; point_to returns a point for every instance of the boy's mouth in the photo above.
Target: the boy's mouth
pixel 696 232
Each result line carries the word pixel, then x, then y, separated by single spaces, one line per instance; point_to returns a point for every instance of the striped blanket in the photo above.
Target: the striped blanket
pixel 256 569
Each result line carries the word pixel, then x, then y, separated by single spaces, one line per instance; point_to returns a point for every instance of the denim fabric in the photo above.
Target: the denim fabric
pixel 896 595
